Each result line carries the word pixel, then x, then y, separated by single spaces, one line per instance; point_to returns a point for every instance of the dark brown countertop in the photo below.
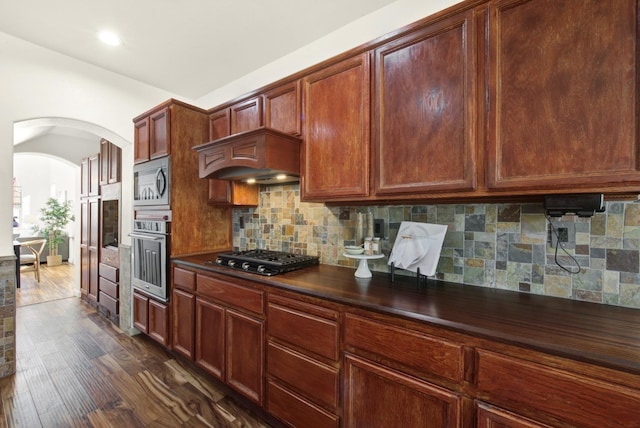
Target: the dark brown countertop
pixel 602 334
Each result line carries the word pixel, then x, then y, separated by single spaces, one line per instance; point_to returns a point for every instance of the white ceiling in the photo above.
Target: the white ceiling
pixel 188 47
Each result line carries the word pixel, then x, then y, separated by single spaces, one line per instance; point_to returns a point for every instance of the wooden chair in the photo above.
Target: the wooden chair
pixel 31 260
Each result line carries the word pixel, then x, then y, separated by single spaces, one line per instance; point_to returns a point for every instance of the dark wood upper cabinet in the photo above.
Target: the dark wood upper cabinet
pixel 246 115
pixel 425 92
pixel 152 138
pixel 335 159
pixel 141 140
pixel 85 177
pixel 282 107
pixel 483 100
pixel 562 86
pixel 219 124
pixel 236 193
pixel 110 161
pixel 159 136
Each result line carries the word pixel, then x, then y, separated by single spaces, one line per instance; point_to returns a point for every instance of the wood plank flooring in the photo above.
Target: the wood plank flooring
pixel 77 369
pixel 56 282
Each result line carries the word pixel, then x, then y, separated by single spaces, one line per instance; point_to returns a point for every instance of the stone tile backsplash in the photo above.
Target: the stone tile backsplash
pixel 493 245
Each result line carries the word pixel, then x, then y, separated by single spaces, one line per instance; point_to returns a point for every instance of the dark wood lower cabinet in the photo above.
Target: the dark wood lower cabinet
pixel 213 326
pixel 230 346
pixel 151 318
pixel 159 322
pixel 296 410
pixel 210 328
pixel 245 354
pixel 141 312
pixel 316 363
pixel 494 417
pixel 183 323
pixel 519 385
pixel 376 396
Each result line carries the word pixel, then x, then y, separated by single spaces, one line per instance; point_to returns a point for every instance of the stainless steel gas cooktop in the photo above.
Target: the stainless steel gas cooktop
pixel 265 262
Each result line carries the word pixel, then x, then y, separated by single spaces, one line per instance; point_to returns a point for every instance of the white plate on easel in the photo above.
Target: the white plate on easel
pixel 418 246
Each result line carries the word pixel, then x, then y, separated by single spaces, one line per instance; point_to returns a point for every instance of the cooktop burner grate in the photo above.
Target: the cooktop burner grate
pixel 265 262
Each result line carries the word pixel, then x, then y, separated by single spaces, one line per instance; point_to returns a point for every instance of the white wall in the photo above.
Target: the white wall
pixel 363 30
pixel 39 83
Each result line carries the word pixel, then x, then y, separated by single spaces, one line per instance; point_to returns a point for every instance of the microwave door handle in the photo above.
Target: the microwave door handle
pixel 161 182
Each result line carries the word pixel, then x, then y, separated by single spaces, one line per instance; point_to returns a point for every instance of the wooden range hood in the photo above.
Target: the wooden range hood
pixel 261 154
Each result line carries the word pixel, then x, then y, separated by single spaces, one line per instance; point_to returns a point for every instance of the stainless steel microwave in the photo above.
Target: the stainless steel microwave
pixel 152 184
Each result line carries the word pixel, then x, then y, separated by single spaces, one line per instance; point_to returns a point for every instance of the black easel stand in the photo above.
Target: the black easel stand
pixel 421 280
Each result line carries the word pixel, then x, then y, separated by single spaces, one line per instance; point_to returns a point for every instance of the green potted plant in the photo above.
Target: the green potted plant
pixel 55 217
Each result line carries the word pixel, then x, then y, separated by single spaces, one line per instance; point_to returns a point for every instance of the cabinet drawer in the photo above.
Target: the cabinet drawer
pixel 321 382
pixel 109 288
pixel 407 347
pixel 109 302
pixel 109 272
pixel 236 295
pixel 184 278
pixel 304 330
pixel 531 388
pixel 297 411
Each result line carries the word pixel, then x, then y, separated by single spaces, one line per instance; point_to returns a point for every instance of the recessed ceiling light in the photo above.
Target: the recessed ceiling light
pixel 110 38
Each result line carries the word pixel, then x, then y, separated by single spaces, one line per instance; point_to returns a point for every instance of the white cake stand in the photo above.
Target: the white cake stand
pixel 363 268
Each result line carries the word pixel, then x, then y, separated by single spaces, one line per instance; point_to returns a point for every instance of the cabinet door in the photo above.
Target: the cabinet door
pixel 159 134
pixel 141 312
pixel 562 96
pixel 219 124
pixel 219 192
pixel 84 177
pixel 493 417
pixel 84 247
pixel 245 355
pixel 282 107
pixel 425 97
pixel 224 192
pixel 210 328
pixel 336 132
pixel 93 247
pixel 183 323
pixel 141 141
pixel 94 175
pixel 246 115
pixel 518 385
pixel 115 162
pixel 159 322
pixel 104 161
pixel 109 163
pixel 376 396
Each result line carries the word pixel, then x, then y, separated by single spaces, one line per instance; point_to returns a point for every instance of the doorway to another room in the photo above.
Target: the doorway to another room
pixel 37 178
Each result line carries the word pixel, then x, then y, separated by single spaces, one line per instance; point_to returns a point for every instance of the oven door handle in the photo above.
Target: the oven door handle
pixel 147 237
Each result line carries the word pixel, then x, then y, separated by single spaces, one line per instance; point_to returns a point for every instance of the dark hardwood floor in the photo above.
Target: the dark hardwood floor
pixel 77 369
pixel 56 282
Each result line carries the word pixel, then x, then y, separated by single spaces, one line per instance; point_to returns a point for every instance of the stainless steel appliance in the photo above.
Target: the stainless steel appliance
pixel 265 262
pixel 150 246
pixel 151 186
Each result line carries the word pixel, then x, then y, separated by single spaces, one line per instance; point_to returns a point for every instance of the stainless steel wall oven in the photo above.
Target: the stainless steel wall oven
pixel 150 254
